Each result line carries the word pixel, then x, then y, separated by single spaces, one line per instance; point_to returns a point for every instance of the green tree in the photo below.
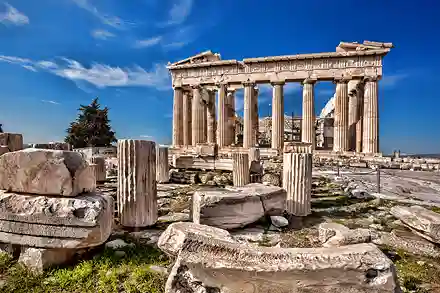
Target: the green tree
pixel 91 128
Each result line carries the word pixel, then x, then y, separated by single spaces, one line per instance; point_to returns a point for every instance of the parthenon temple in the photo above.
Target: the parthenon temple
pixel 355 69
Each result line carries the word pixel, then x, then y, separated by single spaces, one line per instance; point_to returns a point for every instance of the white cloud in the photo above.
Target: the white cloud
pixel 146 136
pixel 178 13
pixel 100 75
pixel 13 16
pixel 50 102
pixel 102 34
pixel 148 42
pixel 109 20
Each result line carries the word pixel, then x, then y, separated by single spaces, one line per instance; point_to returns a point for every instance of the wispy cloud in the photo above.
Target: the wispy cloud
pixel 99 75
pixel 13 16
pixel 148 42
pixel 102 34
pixel 392 80
pixel 178 13
pixel 50 102
pixel 109 20
pixel 146 136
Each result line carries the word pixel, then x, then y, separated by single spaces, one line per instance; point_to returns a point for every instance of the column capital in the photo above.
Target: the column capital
pixel 248 83
pixel 230 90
pixel 196 86
pixel 178 87
pixel 278 82
pixel 372 78
pixel 309 80
pixel 342 79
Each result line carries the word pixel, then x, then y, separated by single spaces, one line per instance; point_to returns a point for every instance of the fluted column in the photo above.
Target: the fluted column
pixel 137 190
pixel 212 123
pixel 248 114
pixel 178 116
pixel 240 169
pixel 340 143
pixel 297 179
pixel 162 165
pixel 370 143
pixel 205 98
pixel 222 116
pixel 308 113
pixel 359 123
pixel 278 115
pixel 100 172
pixel 230 102
pixel 353 115
pixel 197 116
pixel 255 117
pixel 187 118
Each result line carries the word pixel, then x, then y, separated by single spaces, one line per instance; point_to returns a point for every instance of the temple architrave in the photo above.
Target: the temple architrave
pixel 355 68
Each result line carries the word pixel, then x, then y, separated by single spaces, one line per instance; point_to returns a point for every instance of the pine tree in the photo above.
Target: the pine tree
pixel 91 128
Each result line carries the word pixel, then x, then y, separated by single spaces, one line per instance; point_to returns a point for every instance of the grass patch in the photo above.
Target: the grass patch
pixel 106 272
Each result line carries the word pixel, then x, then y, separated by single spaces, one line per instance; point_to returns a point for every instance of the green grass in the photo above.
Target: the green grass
pixel 106 272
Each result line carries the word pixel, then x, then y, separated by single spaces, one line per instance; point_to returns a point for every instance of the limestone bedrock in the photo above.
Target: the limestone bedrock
pixel 46 172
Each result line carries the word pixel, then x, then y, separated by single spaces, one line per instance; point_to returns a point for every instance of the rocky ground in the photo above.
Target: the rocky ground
pixel 130 261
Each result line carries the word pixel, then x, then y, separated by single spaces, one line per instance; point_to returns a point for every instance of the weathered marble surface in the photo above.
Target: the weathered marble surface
pixel 12 141
pixel 172 239
pixel 424 222
pixel 46 172
pixel 235 207
pixel 55 222
pixel 334 234
pixel 233 267
pixel 38 259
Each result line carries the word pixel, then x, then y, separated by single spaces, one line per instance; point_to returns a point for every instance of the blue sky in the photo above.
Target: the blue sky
pixel 58 54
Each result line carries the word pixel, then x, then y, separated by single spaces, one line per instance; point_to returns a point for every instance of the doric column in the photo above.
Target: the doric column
pixel 278 115
pixel 187 118
pixel 100 172
pixel 353 116
pixel 178 116
pixel 162 165
pixel 255 117
pixel 297 179
pixel 308 113
pixel 197 116
pixel 137 190
pixel 360 115
pixel 205 98
pixel 212 123
pixel 340 143
pixel 222 116
pixel 230 102
pixel 248 114
pixel 370 143
pixel 240 169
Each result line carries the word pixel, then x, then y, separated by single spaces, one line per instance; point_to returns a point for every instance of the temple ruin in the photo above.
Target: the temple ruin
pixel 355 69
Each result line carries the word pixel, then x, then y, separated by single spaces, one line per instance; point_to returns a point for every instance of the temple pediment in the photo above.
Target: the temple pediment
pixel 207 56
pixel 366 45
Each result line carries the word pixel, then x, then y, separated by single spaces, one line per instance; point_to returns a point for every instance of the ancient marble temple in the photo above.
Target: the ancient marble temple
pixel 355 68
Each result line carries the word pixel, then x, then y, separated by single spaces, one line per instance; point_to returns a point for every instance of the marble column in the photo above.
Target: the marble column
pixel 240 169
pixel 187 118
pixel 197 116
pixel 100 172
pixel 212 123
pixel 340 143
pixel 178 116
pixel 162 165
pixel 205 98
pixel 137 189
pixel 370 142
pixel 308 133
pixel 248 115
pixel 230 102
pixel 255 117
pixel 222 116
pixel 278 115
pixel 353 115
pixel 360 115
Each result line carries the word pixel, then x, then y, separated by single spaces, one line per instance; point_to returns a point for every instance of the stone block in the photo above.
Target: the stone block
pixel 236 207
pixel 46 172
pixel 334 234
pixel 55 222
pixel 13 141
pixel 171 240
pixel 39 259
pixel 231 267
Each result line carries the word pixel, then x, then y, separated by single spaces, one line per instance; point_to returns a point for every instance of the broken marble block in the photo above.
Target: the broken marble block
pixel 235 207
pixel 334 234
pixel 221 266
pixel 171 240
pixel 46 172
pixel 39 259
pixel 421 221
pixel 12 141
pixel 55 222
